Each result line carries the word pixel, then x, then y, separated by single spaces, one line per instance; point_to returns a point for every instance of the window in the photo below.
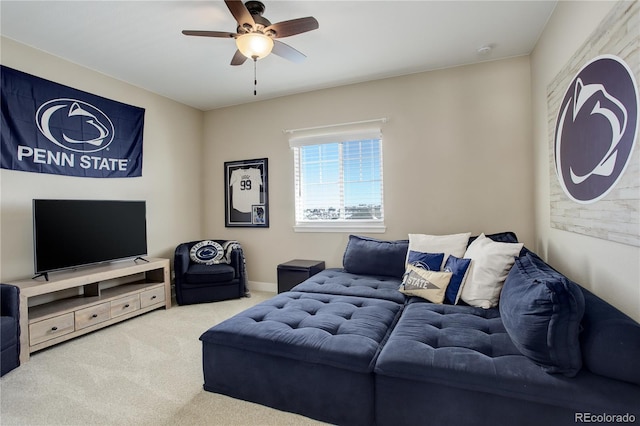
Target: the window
pixel 338 181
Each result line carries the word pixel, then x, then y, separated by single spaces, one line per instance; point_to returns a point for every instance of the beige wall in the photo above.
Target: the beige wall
pixel 170 181
pixel 611 270
pixel 457 157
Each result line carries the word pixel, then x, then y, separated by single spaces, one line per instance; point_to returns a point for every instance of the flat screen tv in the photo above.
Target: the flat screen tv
pixel 73 233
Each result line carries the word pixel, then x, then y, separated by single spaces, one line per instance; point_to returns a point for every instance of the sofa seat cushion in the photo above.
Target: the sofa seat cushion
pixel 468 348
pixel 208 274
pixel 338 331
pixel 336 281
pixel 477 332
pixel 8 329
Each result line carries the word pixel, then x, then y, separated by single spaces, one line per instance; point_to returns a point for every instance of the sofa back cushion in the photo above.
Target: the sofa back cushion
pixel 369 256
pixel 610 341
pixel 501 237
pixel 541 310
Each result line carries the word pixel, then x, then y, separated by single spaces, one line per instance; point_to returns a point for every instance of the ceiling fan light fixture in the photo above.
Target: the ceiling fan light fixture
pixel 254 45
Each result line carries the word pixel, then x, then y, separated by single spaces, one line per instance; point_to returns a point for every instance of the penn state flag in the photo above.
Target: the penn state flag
pixel 51 128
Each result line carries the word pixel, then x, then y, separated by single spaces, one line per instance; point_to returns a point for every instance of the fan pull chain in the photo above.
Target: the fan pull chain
pixel 255 76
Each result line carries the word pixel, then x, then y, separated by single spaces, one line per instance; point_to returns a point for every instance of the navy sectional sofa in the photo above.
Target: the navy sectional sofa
pixel 348 348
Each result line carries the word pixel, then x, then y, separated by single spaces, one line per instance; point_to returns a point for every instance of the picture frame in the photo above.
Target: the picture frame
pixel 246 191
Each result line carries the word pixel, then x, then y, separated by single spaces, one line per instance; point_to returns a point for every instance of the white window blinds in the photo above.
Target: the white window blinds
pixel 339 177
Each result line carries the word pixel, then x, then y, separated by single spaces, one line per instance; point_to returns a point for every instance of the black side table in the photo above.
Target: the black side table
pixel 295 271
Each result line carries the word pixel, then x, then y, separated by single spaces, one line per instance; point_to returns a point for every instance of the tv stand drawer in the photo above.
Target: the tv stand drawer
pixel 51 328
pixel 92 315
pixel 151 297
pixel 125 305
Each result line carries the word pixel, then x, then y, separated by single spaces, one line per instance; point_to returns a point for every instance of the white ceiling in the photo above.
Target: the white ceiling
pixel 140 42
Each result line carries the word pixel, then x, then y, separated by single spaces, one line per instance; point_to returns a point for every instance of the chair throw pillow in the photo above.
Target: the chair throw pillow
pixel 206 252
pixel 542 311
pixel 491 262
pixel 429 285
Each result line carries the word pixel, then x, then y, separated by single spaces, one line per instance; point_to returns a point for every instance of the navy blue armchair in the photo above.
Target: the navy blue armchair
pixel 200 283
pixel 9 328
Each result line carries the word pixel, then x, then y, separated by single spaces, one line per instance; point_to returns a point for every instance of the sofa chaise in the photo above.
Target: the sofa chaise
pixel 348 346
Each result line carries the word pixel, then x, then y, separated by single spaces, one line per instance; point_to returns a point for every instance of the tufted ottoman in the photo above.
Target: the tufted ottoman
pixel 337 281
pixel 440 355
pixel 307 353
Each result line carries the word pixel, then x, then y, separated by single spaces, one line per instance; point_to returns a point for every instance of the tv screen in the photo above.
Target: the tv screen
pixel 71 233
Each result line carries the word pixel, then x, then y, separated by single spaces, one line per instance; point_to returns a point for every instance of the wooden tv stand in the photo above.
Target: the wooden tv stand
pixel 77 302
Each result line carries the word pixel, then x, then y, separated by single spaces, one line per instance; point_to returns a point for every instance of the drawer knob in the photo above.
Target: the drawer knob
pixel 54 328
pixel 126 306
pixel 94 316
pixel 153 297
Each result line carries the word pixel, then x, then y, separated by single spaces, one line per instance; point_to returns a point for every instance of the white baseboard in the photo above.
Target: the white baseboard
pixel 262 286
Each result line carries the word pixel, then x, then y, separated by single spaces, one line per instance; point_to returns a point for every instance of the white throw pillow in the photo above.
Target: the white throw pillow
pixel 453 244
pixel 491 262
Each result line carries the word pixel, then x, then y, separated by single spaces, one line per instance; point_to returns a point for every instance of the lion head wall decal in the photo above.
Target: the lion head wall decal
pixel 596 129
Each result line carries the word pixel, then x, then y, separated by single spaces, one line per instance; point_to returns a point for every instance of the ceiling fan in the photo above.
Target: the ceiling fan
pixel 256 37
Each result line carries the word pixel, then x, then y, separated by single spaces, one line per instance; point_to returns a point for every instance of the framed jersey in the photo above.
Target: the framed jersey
pixel 246 193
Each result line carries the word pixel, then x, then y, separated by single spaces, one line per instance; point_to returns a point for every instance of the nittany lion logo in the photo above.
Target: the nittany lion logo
pixel 420 264
pixel 206 252
pixel 596 129
pixel 75 125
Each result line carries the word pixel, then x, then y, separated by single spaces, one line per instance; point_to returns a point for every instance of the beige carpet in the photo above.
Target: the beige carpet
pixel 144 371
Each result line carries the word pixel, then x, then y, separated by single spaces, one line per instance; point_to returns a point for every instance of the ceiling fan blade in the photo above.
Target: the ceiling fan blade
pixel 240 13
pixel 287 52
pixel 293 27
pixel 238 58
pixel 209 33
